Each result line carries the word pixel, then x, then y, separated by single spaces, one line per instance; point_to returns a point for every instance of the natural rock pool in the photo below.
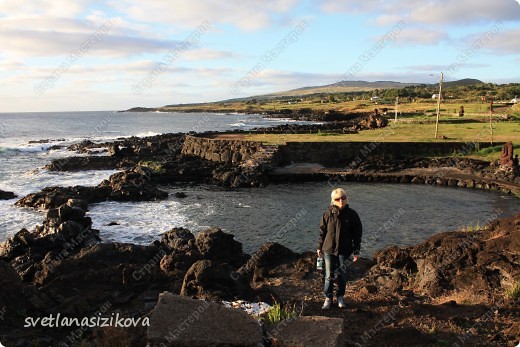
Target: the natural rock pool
pixel 392 214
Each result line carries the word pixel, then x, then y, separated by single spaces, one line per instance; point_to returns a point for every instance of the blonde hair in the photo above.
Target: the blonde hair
pixel 335 192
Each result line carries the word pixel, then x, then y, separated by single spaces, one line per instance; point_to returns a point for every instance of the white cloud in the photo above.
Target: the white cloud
pixel 10 65
pixel 42 8
pixel 439 12
pixel 418 36
pixel 248 15
pixel 464 12
pixel 208 54
pixel 498 42
pixel 31 43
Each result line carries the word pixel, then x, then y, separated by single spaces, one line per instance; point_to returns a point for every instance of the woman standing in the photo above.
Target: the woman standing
pixel 340 237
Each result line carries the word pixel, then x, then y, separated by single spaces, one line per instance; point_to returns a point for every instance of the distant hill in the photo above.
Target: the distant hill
pixel 463 82
pixel 338 87
pixel 342 87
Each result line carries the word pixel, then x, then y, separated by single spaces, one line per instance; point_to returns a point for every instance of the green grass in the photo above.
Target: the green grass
pixel 472 228
pixel 320 133
pixel 408 132
pixel 514 291
pixel 279 313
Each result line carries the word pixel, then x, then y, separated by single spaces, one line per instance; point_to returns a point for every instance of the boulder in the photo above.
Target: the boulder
pixel 183 253
pixel 179 239
pixel 6 195
pixel 210 280
pixel 269 256
pixel 308 331
pixel 216 245
pixel 183 322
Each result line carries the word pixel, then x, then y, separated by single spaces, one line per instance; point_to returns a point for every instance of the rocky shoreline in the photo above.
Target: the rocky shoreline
pixel 209 158
pixel 439 291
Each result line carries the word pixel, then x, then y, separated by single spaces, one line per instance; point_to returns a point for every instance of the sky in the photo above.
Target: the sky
pixel 88 55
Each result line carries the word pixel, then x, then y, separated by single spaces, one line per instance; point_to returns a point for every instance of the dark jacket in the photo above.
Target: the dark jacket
pixel 341 231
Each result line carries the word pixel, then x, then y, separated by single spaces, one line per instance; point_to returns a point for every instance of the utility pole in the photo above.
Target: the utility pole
pixel 439 106
pixel 396 103
pixel 491 118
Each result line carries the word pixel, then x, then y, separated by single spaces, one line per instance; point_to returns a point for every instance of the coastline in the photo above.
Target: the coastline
pixel 63 267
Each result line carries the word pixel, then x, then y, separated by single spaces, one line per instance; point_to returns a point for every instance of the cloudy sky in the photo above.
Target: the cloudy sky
pixel 62 55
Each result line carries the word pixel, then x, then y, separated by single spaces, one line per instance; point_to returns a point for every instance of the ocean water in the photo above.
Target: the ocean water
pixel 288 214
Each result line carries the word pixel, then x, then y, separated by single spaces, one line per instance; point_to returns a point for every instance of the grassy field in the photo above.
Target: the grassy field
pixel 416 122
pixel 472 132
pixel 403 131
pixel 409 132
pixel 420 107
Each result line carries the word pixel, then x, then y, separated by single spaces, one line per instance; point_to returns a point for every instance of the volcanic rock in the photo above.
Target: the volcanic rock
pixel 6 195
pixel 210 280
pixel 183 322
pixel 214 244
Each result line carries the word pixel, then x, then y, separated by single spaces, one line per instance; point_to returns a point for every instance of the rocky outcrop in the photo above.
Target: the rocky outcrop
pixel 183 322
pixel 53 197
pixel 89 163
pixel 123 274
pixel 133 185
pixel 182 254
pixel 164 145
pixel 6 195
pixel 240 176
pixel 57 270
pixel 216 245
pixel 130 185
pixel 122 154
pixel 64 232
pixel 482 262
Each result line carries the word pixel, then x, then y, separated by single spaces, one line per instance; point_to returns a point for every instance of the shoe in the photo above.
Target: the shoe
pixel 326 304
pixel 341 303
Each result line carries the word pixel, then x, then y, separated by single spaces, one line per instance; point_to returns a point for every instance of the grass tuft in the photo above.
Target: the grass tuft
pixel 279 313
pixel 514 291
pixel 473 228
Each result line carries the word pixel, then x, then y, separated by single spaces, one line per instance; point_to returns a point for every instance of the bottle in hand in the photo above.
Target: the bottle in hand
pixel 319 264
